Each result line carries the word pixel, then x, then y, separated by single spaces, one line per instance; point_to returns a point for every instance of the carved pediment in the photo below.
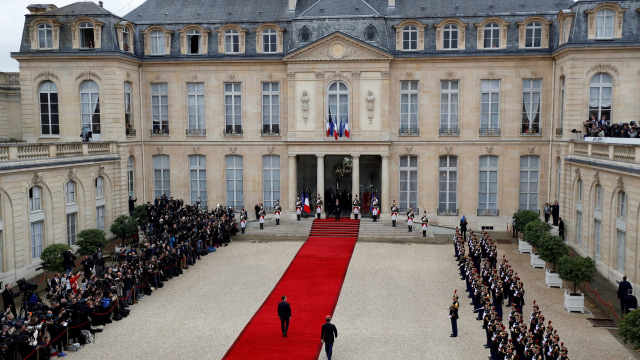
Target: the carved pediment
pixel 338 47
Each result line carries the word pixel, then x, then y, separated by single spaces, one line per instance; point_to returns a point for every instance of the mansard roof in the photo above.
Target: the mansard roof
pixel 333 8
pixel 84 8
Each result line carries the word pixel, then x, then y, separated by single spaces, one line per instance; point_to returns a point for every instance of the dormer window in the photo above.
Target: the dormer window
pixel 533 35
pixel 86 35
pixel 125 39
pixel 450 37
pixel 492 36
pixel 231 41
pixel 410 35
pixel 604 24
pixel 45 36
pixel 157 43
pixel 269 41
pixel 305 35
pixel 605 21
pixel 410 38
pixel 193 41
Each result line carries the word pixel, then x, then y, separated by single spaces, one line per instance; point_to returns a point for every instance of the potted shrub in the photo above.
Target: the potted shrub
pixel 576 271
pixel 551 249
pixel 533 232
pixel 522 218
pixel 90 240
pixel 52 257
pixel 629 328
pixel 124 228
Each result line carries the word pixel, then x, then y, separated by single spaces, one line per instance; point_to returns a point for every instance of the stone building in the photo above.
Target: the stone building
pixel 450 108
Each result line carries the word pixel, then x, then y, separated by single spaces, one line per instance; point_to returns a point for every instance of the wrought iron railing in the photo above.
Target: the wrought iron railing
pixel 488 212
pixel 196 132
pixel 448 212
pixel 450 132
pixel 490 131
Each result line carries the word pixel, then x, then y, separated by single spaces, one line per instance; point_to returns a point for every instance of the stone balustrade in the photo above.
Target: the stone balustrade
pixel 618 152
pixel 21 152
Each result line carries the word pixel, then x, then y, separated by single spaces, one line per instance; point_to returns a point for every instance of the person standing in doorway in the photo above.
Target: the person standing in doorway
pixel 356 207
pixel 284 313
pixel 328 335
pixel 319 206
pixel 555 212
pixel 337 209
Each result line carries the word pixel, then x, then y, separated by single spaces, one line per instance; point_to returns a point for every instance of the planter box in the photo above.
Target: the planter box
pixel 524 247
pixel 573 302
pixel 552 279
pixel 536 262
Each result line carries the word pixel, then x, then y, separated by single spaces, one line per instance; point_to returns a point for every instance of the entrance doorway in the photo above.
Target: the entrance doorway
pixel 338 170
pixel 370 182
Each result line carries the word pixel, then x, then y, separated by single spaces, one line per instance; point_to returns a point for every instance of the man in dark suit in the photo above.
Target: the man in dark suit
pixel 284 313
pixel 623 290
pixel 328 335
pixel 337 209
pixel 630 302
pixel 7 299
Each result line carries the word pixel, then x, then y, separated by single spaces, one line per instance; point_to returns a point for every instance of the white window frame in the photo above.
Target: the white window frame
pixel 99 187
pixel 100 210
pixel 409 106
pixel 408 181
pixel 195 106
pixel 562 100
pixel 605 20
pixel 580 191
pixel 191 34
pixel 157 42
pixel 37 230
pixel 491 33
pixel 90 105
pixel 601 93
pixel 231 41
pixel 270 180
pixel 35 199
pixel 578 227
pixel 448 184
pixel 410 38
pixel 490 104
pixel 50 119
pixel 597 227
pixel 128 112
pixel 70 192
pixel 488 182
pixel 131 178
pixel 533 35
pixel 338 102
pixel 529 182
pixel 86 41
pixel 599 197
pixel 234 174
pixel 161 175
pixel 270 108
pixel 621 242
pixel 233 107
pixel 622 205
pixel 198 179
pixel 531 106
pixel 269 41
pixel 160 108
pixel 450 37
pixel 449 105
pixel 72 228
pixel 45 36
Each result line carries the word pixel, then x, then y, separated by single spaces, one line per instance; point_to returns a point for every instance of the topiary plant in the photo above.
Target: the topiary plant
pixel 90 241
pixel 534 230
pixel 52 257
pixel 551 249
pixel 576 270
pixel 522 218
pixel 629 328
pixel 124 227
pixel 140 214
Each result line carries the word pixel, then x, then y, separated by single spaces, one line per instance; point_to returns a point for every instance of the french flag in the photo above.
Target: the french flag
pixel 346 128
pixel 336 131
pixel 328 127
pixel 306 208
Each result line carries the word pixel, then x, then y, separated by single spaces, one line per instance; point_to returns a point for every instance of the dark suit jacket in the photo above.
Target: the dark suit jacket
pixel 329 333
pixel 7 298
pixel 623 289
pixel 630 302
pixel 284 310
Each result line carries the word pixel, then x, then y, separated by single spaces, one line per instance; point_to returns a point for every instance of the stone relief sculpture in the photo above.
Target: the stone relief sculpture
pixel 370 105
pixel 305 105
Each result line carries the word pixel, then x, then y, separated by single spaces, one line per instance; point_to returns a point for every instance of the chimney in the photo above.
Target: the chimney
pixel 392 3
pixel 101 3
pixel 292 5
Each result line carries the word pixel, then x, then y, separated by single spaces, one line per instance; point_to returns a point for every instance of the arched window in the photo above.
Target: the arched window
pixel 450 37
pixel 231 41
pixel 338 101
pixel 562 95
pixel 36 218
pixel 410 38
pixel 371 33
pixel 269 41
pixel 600 96
pixel 604 24
pixel 157 42
pixel 305 35
pixel 71 211
pixel 492 36
pixel 125 39
pixel 86 35
pixel 131 189
pixel 35 199
pixel 45 36
pixel 90 106
pixel 533 35
pixel 70 192
pixel 579 196
pixel 49 121
pixel 128 112
pixel 193 41
pixel 622 204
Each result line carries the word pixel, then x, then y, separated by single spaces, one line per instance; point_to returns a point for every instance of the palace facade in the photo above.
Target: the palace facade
pixel 452 109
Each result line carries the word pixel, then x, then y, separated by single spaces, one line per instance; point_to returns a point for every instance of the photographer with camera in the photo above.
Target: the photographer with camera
pixel 68 261
pixel 7 299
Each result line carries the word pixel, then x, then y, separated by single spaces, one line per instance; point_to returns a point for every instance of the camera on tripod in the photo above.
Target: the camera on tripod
pixel 25 286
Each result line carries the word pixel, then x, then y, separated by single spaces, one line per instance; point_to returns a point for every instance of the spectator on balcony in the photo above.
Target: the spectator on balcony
pixel 633 133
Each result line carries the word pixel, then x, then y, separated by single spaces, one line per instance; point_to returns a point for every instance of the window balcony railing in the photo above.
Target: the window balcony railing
pixel 409 131
pixel 196 132
pixel 618 152
pixel 488 212
pixel 157 131
pixel 448 212
pixel 449 132
pixel 490 131
pixel 233 130
pixel 26 152
pixel 531 132
pixel 273 130
pixel 558 131
pixel 131 132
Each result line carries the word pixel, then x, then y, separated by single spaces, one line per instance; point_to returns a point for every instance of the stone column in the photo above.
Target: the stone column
pixel 319 184
pixel 384 197
pixel 355 178
pixel 293 183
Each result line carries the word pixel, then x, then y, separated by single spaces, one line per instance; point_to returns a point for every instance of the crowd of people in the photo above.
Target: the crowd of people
pixel 604 128
pixel 489 283
pixel 175 237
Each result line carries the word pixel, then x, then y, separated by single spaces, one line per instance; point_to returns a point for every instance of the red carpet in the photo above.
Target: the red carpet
pixel 312 285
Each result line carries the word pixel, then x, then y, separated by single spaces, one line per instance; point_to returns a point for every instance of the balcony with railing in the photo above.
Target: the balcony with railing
pixel 488 212
pixel 409 131
pixel 159 130
pixel 196 132
pixel 452 131
pixel 25 152
pixel 270 130
pixel 131 132
pixel 530 131
pixel 448 212
pixel 616 152
pixel 486 131
pixel 233 130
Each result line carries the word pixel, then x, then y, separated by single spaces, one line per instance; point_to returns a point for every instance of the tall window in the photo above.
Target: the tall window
pixel 231 41
pixel 449 96
pixel 36 217
pixel 161 176
pixel 450 37
pixel 529 169
pixel 86 35
pixel 621 238
pixel 531 93
pixel 45 36
pixel 270 180
pixel 72 229
pixel 71 211
pixel 492 36
pixel 70 192
pixel 90 105
pixel 599 197
pixel 533 35
pixel 579 227
pixel 198 179
pixel 195 106
pixel 35 199
pixel 408 107
pixel 235 194
pixel 131 189
pixel 338 100
pixel 448 185
pixel 36 238
pixel 269 41
pixel 160 108
pixel 600 95
pixel 408 181
pixel 597 226
pixel 580 191
pixel 157 42
pixel 233 108
pixel 126 41
pixel 99 187
pixel 490 107
pixel 193 41
pixel 561 123
pixel 604 24
pixel 488 183
pixel 128 114
pixel 622 205
pixel 558 177
pixel 410 38
pixel 49 120
pixel 270 108
pixel 100 217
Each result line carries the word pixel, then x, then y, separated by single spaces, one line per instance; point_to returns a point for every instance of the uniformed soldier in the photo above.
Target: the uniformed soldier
pixel 277 209
pixel 261 215
pixel 319 204
pixel 453 314
pixel 298 208
pixel 375 209
pixel 410 217
pixel 243 220
pixel 425 223
pixel 394 214
pixel 356 207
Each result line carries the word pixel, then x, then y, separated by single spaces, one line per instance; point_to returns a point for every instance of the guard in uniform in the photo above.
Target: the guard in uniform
pixel 453 314
pixel 319 204
pixel 425 223
pixel 277 209
pixel 298 208
pixel 261 214
pixel 243 220
pixel 410 216
pixel 356 207
pixel 376 209
pixel 394 214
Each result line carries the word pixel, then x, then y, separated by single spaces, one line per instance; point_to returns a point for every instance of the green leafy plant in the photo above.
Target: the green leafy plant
pixel 629 328
pixel 551 249
pixel 576 270
pixel 90 241
pixel 140 214
pixel 52 257
pixel 534 230
pixel 124 227
pixel 522 218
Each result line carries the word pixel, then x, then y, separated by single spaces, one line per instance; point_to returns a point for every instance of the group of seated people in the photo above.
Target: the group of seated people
pixel 175 236
pixel 604 128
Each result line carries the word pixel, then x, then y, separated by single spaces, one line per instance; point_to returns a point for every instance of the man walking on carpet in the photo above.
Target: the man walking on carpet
pixel 328 335
pixel 284 313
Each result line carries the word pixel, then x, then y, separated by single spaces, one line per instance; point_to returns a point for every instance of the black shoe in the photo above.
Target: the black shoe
pixel 453 335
